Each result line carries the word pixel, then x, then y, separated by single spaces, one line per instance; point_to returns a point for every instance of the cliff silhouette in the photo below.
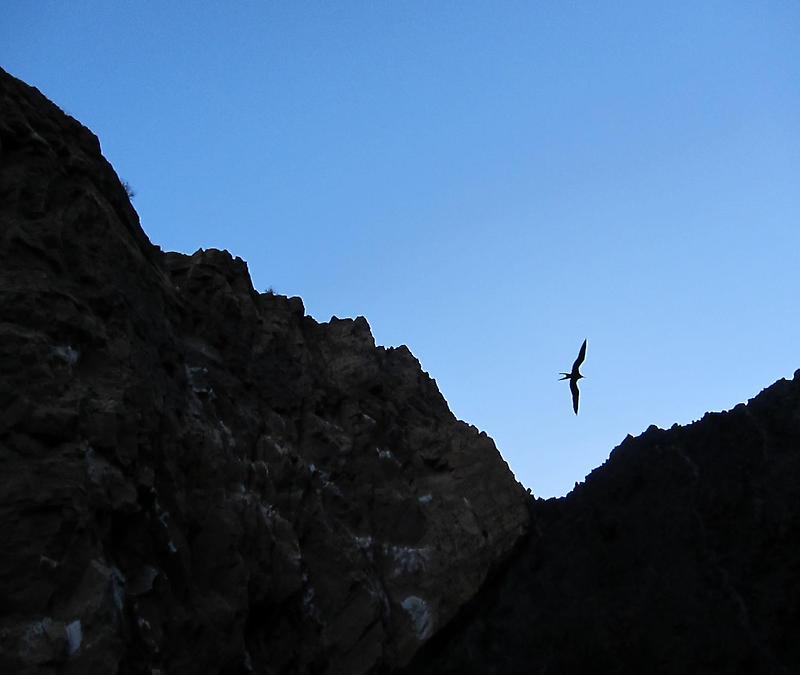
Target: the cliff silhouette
pixel 679 554
pixel 199 478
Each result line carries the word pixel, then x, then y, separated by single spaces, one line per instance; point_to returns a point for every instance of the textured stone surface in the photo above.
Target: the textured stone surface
pixel 197 477
pixel 681 554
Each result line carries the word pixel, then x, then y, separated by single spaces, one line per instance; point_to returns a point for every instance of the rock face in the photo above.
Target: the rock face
pixel 681 554
pixel 198 478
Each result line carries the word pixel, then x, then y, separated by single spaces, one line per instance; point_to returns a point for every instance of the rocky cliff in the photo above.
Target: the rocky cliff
pixel 681 554
pixel 196 477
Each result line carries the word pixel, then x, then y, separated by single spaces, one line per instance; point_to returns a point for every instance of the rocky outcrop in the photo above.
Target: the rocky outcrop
pixel 681 554
pixel 198 477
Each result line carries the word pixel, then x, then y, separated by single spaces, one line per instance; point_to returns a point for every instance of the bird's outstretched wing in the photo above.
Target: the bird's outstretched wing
pixel 573 387
pixel 581 357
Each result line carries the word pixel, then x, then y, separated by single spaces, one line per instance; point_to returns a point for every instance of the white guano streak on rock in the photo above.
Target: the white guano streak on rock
pixel 363 542
pixel 408 559
pixel 67 354
pixel 95 467
pixel 74 636
pixel 420 615
pixel 387 455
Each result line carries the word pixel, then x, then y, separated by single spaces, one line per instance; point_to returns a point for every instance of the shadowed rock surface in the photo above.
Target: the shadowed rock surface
pixel 681 554
pixel 198 478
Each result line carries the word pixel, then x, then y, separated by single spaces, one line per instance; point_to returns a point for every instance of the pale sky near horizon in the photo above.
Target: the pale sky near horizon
pixel 488 183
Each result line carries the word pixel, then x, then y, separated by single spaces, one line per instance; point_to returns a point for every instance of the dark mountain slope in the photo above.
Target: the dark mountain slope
pixel 681 554
pixel 198 478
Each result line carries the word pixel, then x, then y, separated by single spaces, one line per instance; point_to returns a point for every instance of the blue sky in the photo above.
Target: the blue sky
pixel 487 182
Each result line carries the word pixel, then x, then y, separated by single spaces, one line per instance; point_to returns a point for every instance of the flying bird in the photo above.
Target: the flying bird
pixel 574 376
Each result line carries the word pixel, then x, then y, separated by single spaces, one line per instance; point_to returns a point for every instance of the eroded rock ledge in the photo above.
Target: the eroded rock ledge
pixel 198 477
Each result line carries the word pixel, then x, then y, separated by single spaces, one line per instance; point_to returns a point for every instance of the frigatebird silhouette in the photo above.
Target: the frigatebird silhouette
pixel 574 376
